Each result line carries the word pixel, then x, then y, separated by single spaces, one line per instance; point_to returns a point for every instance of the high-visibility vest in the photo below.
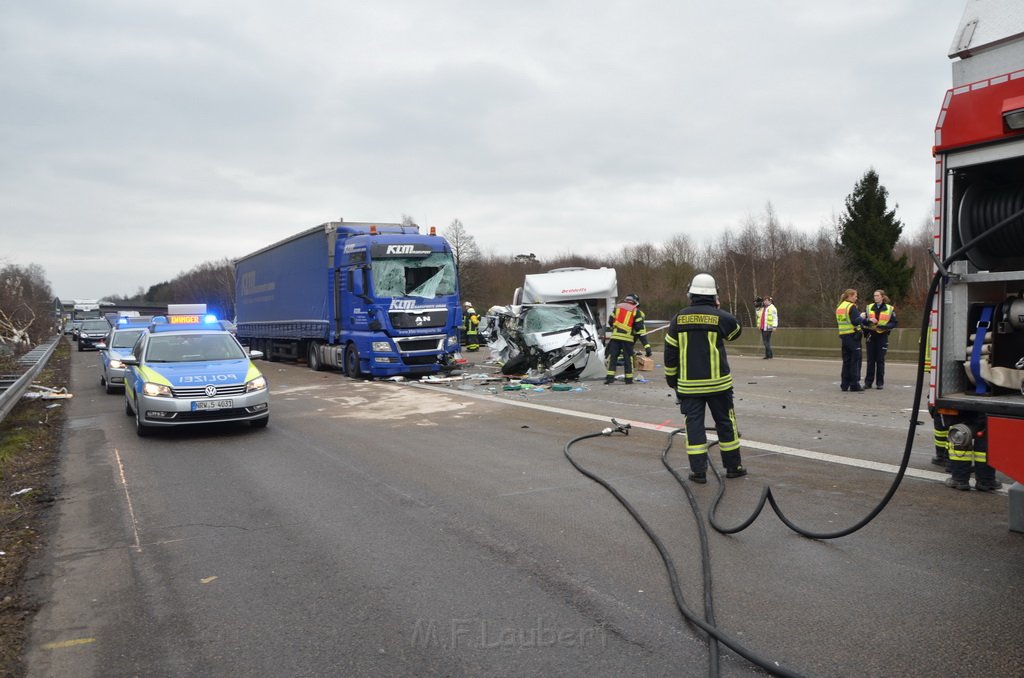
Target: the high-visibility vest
pixel 884 314
pixel 843 318
pixel 766 318
pixel 622 322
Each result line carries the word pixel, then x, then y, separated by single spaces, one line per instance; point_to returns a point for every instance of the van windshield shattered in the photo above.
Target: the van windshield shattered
pixel 551 318
pixel 425 277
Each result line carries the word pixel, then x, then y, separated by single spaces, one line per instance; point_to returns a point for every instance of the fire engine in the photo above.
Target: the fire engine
pixel 977 322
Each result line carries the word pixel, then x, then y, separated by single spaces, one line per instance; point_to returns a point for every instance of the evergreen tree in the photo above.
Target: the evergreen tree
pixel 868 232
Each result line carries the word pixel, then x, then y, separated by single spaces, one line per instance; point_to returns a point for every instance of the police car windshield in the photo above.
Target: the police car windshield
pixel 198 347
pixel 125 338
pixel 426 277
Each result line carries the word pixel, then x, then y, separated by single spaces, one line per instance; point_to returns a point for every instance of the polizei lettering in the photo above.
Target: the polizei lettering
pixel 207 378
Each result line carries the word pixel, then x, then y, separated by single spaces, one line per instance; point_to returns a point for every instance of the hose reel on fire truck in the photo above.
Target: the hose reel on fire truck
pixel 982 205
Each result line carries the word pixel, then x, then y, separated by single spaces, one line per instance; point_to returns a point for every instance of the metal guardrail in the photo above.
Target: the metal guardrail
pixel 13 386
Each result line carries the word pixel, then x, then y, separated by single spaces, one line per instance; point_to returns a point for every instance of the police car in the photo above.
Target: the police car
pixel 114 349
pixel 191 370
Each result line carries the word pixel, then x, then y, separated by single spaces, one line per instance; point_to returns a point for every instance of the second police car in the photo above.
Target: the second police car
pixel 192 370
pixel 117 345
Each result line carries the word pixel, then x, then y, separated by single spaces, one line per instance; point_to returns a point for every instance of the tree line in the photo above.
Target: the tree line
pixel 805 274
pixel 863 248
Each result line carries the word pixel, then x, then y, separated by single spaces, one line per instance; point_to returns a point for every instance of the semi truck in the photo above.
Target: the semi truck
pixel 977 316
pixel 373 300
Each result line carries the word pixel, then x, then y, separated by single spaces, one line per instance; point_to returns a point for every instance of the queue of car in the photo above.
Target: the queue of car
pixel 181 370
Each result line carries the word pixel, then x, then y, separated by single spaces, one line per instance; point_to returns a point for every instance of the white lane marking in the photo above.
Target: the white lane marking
pixel 767 447
pixel 131 511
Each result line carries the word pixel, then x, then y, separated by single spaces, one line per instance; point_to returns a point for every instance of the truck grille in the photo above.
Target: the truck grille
pixel 414 344
pixel 414 319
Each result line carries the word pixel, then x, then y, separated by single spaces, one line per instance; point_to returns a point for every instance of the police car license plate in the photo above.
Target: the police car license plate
pixel 211 405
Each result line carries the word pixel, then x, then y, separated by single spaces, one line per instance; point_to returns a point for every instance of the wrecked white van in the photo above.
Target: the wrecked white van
pixel 554 327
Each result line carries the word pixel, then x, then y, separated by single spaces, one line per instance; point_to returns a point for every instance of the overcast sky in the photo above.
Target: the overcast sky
pixel 140 138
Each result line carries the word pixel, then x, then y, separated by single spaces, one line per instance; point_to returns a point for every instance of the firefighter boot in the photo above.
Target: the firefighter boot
pixel 609 379
pixel 699 477
pixel 985 478
pixel 735 472
pixel 629 380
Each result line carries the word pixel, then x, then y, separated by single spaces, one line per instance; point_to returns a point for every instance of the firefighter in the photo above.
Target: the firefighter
pixel 624 325
pixel 940 427
pixel 850 320
pixel 697 369
pixel 971 457
pixel 471 323
pixel 881 320
pixel 640 328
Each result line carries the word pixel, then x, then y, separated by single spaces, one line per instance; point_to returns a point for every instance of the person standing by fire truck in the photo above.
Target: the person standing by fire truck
pixel 850 319
pixel 881 321
pixel 697 370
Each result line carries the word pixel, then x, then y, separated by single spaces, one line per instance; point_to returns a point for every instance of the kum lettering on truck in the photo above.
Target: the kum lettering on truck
pixel 977 324
pixel 373 300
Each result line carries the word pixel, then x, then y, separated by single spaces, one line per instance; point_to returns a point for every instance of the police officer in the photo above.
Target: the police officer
pixel 850 320
pixel 626 323
pixel 471 323
pixel 697 370
pixel 881 321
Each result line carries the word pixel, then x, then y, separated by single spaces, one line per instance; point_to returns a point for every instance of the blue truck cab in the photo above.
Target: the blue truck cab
pixel 375 300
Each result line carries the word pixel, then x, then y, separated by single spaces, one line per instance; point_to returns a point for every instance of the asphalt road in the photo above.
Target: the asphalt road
pixel 379 528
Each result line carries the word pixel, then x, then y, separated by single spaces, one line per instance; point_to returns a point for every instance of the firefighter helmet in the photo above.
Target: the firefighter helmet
pixel 633 299
pixel 703 284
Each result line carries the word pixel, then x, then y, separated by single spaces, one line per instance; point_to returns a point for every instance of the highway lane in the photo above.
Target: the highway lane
pixel 380 528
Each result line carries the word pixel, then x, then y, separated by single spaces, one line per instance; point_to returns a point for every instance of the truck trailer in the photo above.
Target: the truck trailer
pixel 375 300
pixel 977 317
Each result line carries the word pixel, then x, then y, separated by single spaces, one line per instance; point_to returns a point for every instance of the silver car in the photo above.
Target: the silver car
pixel 118 345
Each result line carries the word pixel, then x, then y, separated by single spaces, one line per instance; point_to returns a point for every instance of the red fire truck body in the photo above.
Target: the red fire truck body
pixel 977 325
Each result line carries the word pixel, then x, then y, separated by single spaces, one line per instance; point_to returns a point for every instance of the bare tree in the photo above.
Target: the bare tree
pixel 467 257
pixel 27 314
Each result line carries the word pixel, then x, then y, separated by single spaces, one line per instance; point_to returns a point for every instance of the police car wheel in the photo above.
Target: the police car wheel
pixel 260 423
pixel 141 429
pixel 127 407
pixel 107 387
pixel 352 362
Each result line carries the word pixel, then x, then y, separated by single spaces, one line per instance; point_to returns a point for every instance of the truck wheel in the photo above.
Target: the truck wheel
pixel 313 356
pixel 352 362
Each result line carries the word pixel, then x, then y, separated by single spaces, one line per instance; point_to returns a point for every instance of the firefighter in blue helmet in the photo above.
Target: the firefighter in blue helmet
pixel 626 323
pixel 697 370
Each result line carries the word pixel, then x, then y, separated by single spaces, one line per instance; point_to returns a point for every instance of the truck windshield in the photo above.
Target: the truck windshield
pixel 426 277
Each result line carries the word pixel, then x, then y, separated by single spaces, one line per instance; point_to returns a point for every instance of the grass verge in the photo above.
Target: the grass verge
pixel 30 440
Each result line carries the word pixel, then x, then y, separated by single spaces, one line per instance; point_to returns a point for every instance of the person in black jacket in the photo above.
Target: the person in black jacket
pixel 697 369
